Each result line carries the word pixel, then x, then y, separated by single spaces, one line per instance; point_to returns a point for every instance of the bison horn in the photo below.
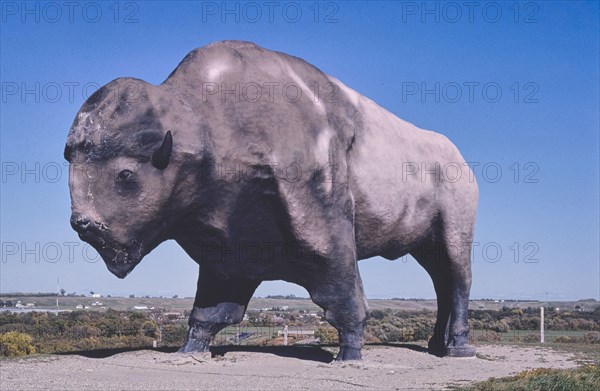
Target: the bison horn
pixel 161 155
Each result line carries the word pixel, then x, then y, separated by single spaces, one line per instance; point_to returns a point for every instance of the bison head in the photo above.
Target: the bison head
pixel 121 183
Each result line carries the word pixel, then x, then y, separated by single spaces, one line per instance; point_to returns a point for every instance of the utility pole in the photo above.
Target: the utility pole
pixel 57 292
pixel 542 324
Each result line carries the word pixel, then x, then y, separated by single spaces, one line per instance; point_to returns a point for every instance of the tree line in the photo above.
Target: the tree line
pixel 45 332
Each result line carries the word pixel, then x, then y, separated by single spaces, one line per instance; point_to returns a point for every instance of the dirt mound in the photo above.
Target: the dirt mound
pixel 272 368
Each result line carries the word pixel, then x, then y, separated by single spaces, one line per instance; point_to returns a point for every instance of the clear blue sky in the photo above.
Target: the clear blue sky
pixel 542 57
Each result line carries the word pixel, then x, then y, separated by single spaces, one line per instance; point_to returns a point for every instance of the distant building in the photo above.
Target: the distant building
pixel 96 295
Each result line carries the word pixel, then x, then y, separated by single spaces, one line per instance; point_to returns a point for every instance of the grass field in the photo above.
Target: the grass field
pixel 549 335
pixel 586 378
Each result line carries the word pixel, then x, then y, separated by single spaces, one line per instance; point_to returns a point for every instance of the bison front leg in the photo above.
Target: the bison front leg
pixel 219 302
pixel 338 290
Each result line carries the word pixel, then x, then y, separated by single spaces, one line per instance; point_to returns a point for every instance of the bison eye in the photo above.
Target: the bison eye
pixel 125 175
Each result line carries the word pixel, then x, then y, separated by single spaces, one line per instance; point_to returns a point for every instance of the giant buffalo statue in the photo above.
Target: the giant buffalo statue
pixel 262 167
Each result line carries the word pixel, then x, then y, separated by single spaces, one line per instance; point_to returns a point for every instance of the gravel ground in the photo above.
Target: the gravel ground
pixel 405 367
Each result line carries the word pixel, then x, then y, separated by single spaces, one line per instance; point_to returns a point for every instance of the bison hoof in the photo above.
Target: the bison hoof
pixel 195 345
pixel 460 351
pixel 347 354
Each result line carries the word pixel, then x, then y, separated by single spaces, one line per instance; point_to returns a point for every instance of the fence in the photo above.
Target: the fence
pixel 53 335
pixel 487 335
pixel 171 334
pixel 260 335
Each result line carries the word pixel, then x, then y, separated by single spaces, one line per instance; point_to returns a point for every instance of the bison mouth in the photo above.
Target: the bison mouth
pixel 122 261
pixel 119 259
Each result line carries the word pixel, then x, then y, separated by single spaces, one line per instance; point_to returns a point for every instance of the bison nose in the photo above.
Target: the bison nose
pixel 80 224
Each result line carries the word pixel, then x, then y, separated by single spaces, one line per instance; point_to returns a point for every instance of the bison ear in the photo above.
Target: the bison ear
pixel 161 155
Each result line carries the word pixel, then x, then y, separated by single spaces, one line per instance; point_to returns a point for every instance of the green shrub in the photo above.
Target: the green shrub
pixel 173 335
pixel 566 339
pixel 327 335
pixel 489 336
pixel 14 343
pixel 579 379
pixel 401 327
pixel 531 338
pixel 592 337
pixel 84 331
pixel 150 329
pixel 371 338
pixel 377 314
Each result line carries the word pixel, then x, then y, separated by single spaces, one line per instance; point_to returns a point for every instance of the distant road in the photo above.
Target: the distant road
pixel 18 310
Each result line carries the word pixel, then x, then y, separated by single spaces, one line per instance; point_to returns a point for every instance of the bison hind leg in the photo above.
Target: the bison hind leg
pixel 449 266
pixel 339 291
